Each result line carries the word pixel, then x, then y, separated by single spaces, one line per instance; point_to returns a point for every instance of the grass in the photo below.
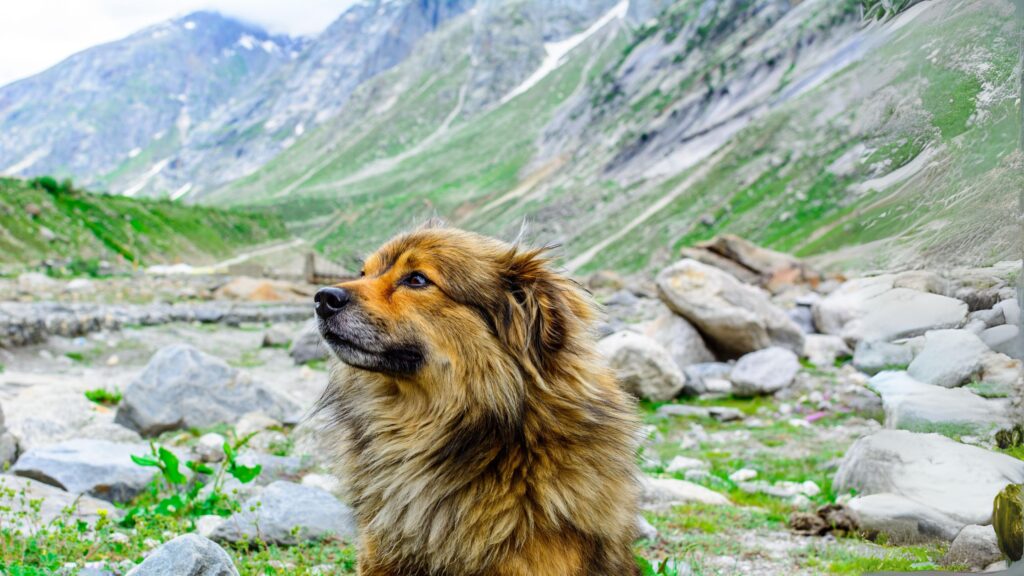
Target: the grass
pixel 104 396
pixel 248 359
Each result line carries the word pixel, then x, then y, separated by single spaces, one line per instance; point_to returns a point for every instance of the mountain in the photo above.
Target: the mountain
pixel 42 219
pixel 882 143
pixel 120 108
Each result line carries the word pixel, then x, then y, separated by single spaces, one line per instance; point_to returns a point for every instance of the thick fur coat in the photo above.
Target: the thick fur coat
pixel 475 429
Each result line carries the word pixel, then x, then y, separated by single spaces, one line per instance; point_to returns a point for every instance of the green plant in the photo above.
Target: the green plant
pixel 666 568
pixel 173 495
pixel 104 396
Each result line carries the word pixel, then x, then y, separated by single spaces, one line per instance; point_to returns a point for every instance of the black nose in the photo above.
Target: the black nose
pixel 330 301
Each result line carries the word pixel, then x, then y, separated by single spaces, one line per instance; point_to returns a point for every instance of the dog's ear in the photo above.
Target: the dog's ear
pixel 538 311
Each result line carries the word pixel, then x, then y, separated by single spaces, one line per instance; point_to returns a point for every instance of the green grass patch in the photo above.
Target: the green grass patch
pixel 104 396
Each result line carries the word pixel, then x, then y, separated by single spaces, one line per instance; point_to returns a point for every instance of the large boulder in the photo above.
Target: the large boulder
pixel 918 407
pixel 764 372
pixel 903 520
pixel 957 480
pixel 287 513
pixel 182 387
pixel 680 339
pixel 643 367
pixel 949 358
pixel 872 309
pixel 190 554
pixel 95 467
pixel 873 356
pixel 736 317
pixel 1006 339
pixel 975 547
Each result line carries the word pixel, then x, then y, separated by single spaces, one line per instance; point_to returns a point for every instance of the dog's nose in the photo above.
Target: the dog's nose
pixel 330 301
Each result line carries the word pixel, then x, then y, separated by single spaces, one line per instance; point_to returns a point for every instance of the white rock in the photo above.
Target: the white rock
pixel 642 366
pixel 324 482
pixel 743 475
pixel 682 464
pixel 737 317
pixel 679 338
pixel 660 494
pixel 288 513
pixel 210 447
pixel 1005 339
pixel 975 547
pixel 873 356
pixel 918 407
pixel 644 529
pixel 823 349
pixel 18 513
pixel 764 372
pixel 189 554
pixel 949 358
pixel 903 519
pixel 1010 309
pixel 957 480
pixel 255 422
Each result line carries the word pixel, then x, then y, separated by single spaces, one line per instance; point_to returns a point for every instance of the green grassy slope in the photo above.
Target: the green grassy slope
pixel 53 221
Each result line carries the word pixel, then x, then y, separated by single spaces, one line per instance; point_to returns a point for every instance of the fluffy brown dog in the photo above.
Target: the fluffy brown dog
pixel 475 429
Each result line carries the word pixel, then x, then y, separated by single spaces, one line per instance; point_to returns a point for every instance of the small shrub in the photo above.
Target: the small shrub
pixel 104 396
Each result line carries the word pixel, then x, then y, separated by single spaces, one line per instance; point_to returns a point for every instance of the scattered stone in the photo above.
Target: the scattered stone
pixel 720 413
pixel 308 345
pixel 182 387
pixel 736 317
pixel 764 372
pixel 324 482
pixel 699 375
pixel 903 520
pixel 958 480
pixel 644 529
pixel 922 281
pixel 949 358
pixel 18 512
pixel 873 356
pixel 605 280
pixel 95 467
pixel 990 317
pixel 642 366
pixel 1010 309
pixel 824 349
pixel 287 513
pixel 207 525
pixel 275 338
pixel 836 519
pixel 1005 339
pixel 975 547
pixel 955 412
pixel 743 475
pixel 36 281
pixel 255 422
pixel 803 317
pixel 659 494
pixel 680 339
pixel 784 489
pixel 210 447
pixel 189 554
pixel 682 464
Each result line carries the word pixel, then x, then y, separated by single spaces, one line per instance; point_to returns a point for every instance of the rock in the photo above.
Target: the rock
pixel 275 338
pixel 19 513
pixel 644 368
pixel 720 413
pixel 903 520
pixel 977 298
pixel 1001 374
pixel 991 317
pixel 772 269
pixel 605 280
pixel 287 513
pixel 82 285
pixel 36 281
pixel 783 489
pixel 824 349
pixel 249 289
pixel 955 412
pixel 872 309
pixel 698 376
pixel 182 387
pixel 308 345
pixel 955 479
pixel 189 554
pixel 873 356
pixel 949 358
pixel 680 339
pixel 803 317
pixel 254 422
pixel 975 547
pixel 660 494
pixel 1010 309
pixel 736 317
pixel 1008 521
pixel 275 467
pixel 210 447
pixel 8 449
pixel 206 525
pixel 108 431
pixel 1006 339
pixel 743 475
pixel 94 467
pixel 644 529
pixel 922 281
pixel 764 372
pixel 837 519
pixel 682 464
pixel 324 482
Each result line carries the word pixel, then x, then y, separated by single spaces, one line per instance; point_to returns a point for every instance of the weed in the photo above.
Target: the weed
pixel 104 396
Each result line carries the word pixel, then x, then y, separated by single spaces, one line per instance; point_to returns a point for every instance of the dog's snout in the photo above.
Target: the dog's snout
pixel 330 301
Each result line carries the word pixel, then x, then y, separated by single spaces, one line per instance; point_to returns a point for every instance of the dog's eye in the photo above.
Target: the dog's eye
pixel 415 280
pixel 362 273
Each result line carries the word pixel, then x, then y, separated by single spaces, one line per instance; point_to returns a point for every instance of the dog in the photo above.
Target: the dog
pixel 474 427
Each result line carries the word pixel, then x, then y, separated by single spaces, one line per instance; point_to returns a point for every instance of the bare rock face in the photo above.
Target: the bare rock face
pixel 735 317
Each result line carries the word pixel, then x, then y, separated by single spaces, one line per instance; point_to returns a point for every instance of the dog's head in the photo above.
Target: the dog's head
pixel 441 305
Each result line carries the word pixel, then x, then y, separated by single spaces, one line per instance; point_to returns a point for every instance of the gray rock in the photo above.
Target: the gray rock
pixel 949 358
pixel 720 413
pixel 955 412
pixel 803 317
pixel 1001 373
pixel 873 356
pixel 903 520
pixel 18 513
pixel 643 367
pixel 736 317
pixel 1010 309
pixel 191 555
pixel 991 317
pixel 824 349
pixel 975 547
pixel 288 513
pixel 680 339
pixel 210 447
pixel 957 480
pixel 659 494
pixel 8 449
pixel 644 529
pixel 182 387
pixel 1005 339
pixel 308 345
pixel 275 468
pixel 764 372
pixel 698 375
pixel 95 467
pixel 275 338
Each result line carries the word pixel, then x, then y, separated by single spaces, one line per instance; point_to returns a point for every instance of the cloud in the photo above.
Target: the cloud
pixel 36 35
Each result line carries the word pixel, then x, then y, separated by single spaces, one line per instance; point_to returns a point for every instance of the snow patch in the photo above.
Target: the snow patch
pixel 141 182
pixel 185 189
pixel 556 51
pixel 268 46
pixel 26 162
pixel 134 152
pixel 247 41
pixel 300 128
pixel 190 25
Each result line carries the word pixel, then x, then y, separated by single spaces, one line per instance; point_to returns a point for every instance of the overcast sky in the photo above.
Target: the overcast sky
pixel 36 34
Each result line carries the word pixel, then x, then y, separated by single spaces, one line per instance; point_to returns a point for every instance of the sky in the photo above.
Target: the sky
pixel 36 34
